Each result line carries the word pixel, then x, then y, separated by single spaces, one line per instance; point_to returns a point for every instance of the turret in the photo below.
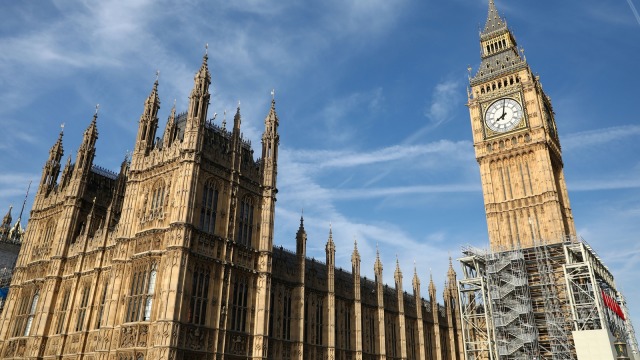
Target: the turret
pixel 397 275
pixel 330 250
pixel 377 267
pixel 87 149
pixel 6 221
pixel 51 168
pixel 171 130
pixel 198 106
pixel 355 261
pixel 301 249
pixel 270 142
pixel 148 123
pixel 420 355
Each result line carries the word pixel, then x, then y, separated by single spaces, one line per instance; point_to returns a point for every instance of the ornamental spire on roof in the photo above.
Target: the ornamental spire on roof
pixel 494 20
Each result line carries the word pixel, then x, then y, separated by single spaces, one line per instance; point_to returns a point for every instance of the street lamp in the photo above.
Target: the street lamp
pixel 621 348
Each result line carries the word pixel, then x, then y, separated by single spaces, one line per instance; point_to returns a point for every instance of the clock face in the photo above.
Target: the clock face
pixel 504 115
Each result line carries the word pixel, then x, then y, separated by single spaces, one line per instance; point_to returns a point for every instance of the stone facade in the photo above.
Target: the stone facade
pixel 173 258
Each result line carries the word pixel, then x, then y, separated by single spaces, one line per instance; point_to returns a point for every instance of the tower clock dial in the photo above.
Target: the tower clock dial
pixel 504 115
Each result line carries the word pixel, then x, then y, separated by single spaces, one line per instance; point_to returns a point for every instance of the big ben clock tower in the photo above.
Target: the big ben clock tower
pixel 516 145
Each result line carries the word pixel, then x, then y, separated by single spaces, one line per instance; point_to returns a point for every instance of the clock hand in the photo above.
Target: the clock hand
pixel 501 116
pixel 503 107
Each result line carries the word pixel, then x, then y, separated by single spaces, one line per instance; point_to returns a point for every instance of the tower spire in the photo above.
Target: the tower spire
pixel 494 20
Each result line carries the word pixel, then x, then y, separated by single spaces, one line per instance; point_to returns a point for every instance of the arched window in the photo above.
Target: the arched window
pixel 209 208
pixel 199 295
pixel 140 299
pixel 32 314
pixel 62 311
pixel 239 305
pixel 245 222
pixel 157 198
pixel 82 312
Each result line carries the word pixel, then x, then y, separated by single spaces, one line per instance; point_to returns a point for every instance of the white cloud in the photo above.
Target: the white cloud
pixel 584 139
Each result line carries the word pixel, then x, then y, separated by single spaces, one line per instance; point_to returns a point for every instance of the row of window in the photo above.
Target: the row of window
pixel 209 211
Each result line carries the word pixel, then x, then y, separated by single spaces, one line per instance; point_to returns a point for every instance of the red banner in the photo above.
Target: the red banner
pixel 612 304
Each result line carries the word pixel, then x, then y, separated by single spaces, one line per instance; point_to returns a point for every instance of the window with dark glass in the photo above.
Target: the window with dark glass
pixel 199 294
pixel 319 314
pixel 245 222
pixel 62 313
pixel 209 208
pixel 286 316
pixel 103 299
pixel 239 305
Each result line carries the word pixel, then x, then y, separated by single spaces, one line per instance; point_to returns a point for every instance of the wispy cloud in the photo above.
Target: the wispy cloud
pixel 589 138
pixel 634 11
pixel 344 159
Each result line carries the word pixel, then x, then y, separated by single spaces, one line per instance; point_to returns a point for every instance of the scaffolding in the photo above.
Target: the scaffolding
pixel 515 331
pixel 554 330
pixel 631 333
pixel 475 309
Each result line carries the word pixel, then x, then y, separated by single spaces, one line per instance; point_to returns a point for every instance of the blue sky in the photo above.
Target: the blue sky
pixel 375 135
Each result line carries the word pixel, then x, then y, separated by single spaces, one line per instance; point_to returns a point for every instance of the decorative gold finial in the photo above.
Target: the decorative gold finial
pixel 97 107
pixel 157 75
pixel 273 94
pixel 206 49
pixel 62 127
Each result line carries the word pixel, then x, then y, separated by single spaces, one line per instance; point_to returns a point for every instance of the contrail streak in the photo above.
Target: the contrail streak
pixel 635 12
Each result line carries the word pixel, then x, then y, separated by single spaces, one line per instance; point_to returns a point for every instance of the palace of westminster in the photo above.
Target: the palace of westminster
pixel 173 257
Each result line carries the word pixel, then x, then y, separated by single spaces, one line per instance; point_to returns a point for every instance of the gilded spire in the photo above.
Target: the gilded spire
pixel 494 21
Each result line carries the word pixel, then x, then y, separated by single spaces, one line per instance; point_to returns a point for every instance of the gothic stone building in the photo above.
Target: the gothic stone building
pixel 173 258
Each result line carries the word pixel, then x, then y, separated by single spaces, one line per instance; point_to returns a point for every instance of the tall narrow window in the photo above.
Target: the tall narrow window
pixel 347 330
pixel 245 222
pixel 32 314
pixel 103 299
pixel 157 198
pixel 239 305
pixel 286 316
pixel 140 299
pixel 209 208
pixel 62 314
pixel 319 315
pixel 272 309
pixel 82 311
pixel 199 293
pixel 151 289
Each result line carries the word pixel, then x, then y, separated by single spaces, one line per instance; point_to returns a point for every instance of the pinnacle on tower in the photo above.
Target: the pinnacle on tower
pixel 416 279
pixel 398 273
pixel 377 267
pixel 494 21
pixel 6 221
pixel 432 286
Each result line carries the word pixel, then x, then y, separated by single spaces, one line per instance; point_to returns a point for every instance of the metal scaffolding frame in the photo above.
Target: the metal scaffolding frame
pixel 555 338
pixel 475 309
pixel 515 331
pixel 525 303
pixel 631 333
